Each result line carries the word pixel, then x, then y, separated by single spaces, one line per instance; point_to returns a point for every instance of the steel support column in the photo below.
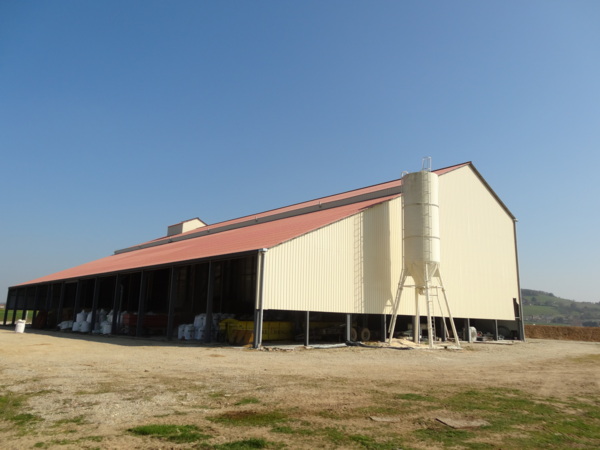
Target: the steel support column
pixel 77 302
pixel 141 304
pixel 49 295
pixel 24 312
pixel 36 303
pixel 348 327
pixel 95 304
pixel 307 330
pixel 259 307
pixel 117 296
pixel 172 296
pixel 209 303
pixel 521 320
pixel 16 305
pixel 468 328
pixel 444 329
pixel 61 303
pixel 7 306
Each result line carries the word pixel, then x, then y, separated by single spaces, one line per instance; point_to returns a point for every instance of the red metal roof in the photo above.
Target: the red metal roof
pixel 254 237
pixel 247 238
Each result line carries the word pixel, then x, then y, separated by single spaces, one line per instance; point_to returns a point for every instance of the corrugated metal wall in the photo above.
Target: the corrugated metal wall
pixel 353 265
pixel 478 249
pixel 347 266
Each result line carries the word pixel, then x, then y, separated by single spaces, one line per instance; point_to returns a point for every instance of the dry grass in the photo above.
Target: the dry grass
pixel 84 394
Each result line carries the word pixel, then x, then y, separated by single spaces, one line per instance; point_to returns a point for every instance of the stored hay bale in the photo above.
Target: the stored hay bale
pixel 588 334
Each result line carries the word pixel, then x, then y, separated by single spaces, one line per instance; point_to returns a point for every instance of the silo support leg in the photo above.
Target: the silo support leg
pixel 450 315
pixel 417 320
pixel 430 332
pixel 396 306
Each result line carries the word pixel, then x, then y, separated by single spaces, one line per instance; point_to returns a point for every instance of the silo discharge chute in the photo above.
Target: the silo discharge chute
pixel 421 248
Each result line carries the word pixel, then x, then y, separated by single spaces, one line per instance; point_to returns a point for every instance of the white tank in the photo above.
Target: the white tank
pixel 421 222
pixel 20 326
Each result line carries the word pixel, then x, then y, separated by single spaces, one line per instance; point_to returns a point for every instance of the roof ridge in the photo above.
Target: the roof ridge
pixel 298 208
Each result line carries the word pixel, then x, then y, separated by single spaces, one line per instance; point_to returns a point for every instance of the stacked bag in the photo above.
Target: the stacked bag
pixel 83 322
pixel 197 330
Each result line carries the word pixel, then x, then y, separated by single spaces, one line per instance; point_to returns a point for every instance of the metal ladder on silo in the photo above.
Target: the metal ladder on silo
pixel 434 294
pixel 430 308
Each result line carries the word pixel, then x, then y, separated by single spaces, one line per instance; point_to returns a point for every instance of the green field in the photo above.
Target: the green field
pixel 541 310
pixel 545 308
pixel 9 316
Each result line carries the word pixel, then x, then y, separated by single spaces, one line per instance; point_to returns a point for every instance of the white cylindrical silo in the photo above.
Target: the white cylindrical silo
pixel 421 222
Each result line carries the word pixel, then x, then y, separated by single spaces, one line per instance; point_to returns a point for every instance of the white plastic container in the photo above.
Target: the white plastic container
pixel 470 334
pixel 20 326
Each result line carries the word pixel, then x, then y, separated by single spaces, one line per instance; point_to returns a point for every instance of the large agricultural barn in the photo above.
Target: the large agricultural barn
pixel 330 266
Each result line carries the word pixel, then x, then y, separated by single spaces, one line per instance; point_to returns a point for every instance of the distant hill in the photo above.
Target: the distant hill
pixel 544 308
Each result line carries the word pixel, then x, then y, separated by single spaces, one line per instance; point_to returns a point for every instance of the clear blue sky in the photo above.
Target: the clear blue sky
pixel 118 118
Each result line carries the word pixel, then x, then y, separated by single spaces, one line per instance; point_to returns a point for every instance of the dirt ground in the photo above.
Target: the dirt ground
pixel 91 390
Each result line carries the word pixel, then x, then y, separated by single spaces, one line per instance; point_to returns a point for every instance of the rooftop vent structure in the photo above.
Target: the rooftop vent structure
pixel 185 226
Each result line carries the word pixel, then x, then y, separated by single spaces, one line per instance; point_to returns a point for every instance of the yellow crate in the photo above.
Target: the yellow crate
pixel 278 331
pixel 224 324
pixel 272 331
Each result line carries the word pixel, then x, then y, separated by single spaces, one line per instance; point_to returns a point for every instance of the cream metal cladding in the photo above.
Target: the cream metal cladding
pixel 353 265
pixel 479 265
pixel 347 266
